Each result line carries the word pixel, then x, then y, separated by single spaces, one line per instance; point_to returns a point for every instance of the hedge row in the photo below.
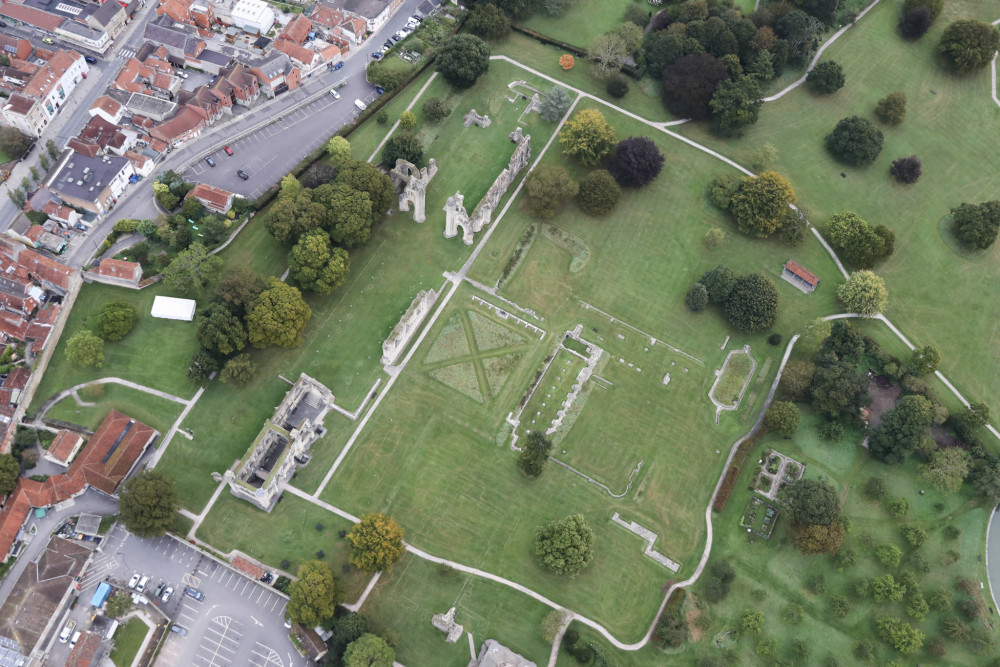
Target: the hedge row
pixel 742 452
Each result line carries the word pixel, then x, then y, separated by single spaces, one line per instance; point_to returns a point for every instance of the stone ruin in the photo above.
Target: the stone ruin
pixel 282 444
pixel 407 326
pixel 473 118
pixel 413 183
pixel 446 624
pixel 455 214
pixel 593 356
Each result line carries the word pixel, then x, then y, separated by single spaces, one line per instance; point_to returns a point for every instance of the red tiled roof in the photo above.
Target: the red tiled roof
pixel 111 452
pixel 217 198
pixel 245 566
pixel 63 445
pixel 43 268
pixel 33 17
pixel 295 52
pixel 297 29
pixel 85 651
pixel 797 270
pixel 117 268
pixel 39 335
pixel 17 378
pixel 13 325
pixel 108 105
pixel 327 16
pixel 35 232
pixel 49 315
pixel 57 211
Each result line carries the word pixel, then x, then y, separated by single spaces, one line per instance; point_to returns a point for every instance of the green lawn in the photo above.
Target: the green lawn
pixel 776 567
pixel 951 125
pixel 128 641
pixel 582 20
pixel 129 358
pixel 643 97
pixel 406 598
pixel 737 372
pixel 291 535
pixel 147 408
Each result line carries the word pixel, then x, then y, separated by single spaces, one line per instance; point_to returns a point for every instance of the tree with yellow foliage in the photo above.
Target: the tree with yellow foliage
pixel 377 542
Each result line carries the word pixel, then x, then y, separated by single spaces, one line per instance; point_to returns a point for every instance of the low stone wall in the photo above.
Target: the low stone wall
pixel 408 325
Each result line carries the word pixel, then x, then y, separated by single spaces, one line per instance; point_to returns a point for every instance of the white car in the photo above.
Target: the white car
pixel 133 581
pixel 335 94
pixel 167 593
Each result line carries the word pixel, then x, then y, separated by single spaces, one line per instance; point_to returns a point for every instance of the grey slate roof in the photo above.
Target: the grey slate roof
pixel 72 180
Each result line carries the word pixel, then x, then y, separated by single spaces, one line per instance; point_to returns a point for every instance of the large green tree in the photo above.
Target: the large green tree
pixel 902 429
pixel 855 141
pixel 238 370
pixel 462 59
pixel 115 320
pixel 976 225
pixel 925 360
pixel 636 163
pixel 349 213
pixel 339 150
pixel 599 193
pixel 293 215
pixel 238 288
pixel 857 241
pixel 752 304
pixel 947 469
pixel 10 469
pixel 761 202
pixel 904 637
pixel 346 629
pixel 359 175
pixel 548 187
pixel 587 136
pixel 864 293
pixel 316 265
pixel 147 503
pixel 812 501
pixel 565 546
pixel 219 330
pixel 312 598
pixel 191 269
pixel 719 283
pixel 488 21
pixel 403 145
pixel 783 418
pixel 535 454
pixel 378 543
pixel 968 45
pixel 827 77
pixel 369 650
pixel 13 142
pixel 838 389
pixel 735 105
pixel 278 316
pixel 554 103
pixel 85 348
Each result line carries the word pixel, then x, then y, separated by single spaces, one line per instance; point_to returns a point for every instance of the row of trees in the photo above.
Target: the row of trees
pixel 750 302
pixel 760 205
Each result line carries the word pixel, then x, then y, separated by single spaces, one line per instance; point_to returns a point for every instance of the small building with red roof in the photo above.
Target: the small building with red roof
pixel 795 274
pixel 64 448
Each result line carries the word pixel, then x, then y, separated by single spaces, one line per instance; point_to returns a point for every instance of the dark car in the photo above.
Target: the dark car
pixel 229 151
pixel 376 56
pixel 338 65
pixel 90 59
pixel 242 174
pixel 388 44
pixel 379 89
pixel 194 593
pixel 210 161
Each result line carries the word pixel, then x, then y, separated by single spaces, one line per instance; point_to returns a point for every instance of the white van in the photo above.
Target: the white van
pixel 360 105
pixel 76 638
pixel 142 583
pixel 66 632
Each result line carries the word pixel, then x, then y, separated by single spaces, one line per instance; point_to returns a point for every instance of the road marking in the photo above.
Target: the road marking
pixel 256 621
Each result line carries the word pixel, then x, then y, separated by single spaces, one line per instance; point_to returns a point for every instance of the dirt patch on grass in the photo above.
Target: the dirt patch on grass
pixel 691 617
pixel 883 398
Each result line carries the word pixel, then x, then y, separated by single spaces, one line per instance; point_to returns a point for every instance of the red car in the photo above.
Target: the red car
pixel 229 151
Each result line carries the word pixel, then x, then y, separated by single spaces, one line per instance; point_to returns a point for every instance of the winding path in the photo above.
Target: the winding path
pixel 456 279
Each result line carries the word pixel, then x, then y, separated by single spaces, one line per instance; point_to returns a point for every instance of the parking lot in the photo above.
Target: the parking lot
pixel 239 622
pixel 270 152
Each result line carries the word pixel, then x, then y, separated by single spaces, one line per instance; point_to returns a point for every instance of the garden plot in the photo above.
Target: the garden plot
pixel 779 471
pixel 732 381
pixel 759 518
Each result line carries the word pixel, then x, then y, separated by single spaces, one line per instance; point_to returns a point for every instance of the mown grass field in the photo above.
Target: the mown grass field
pixel 128 641
pixel 582 20
pixel 952 125
pixel 406 598
pixel 147 408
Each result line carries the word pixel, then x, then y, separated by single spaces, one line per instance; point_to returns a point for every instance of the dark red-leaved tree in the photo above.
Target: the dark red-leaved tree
pixel 689 83
pixel 637 162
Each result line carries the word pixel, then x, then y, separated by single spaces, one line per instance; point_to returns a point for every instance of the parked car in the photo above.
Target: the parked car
pixel 229 151
pixel 339 65
pixel 242 174
pixel 142 583
pixel 134 580
pixel 67 632
pixel 90 59
pixel 210 161
pixel 159 589
pixel 267 577
pixel 377 55
pixel 182 74
pixel 335 94
pixel 75 639
pixel 379 89
pixel 388 43
pixel 167 593
pixel 360 105
pixel 48 40
pixel 194 593
pixel 178 629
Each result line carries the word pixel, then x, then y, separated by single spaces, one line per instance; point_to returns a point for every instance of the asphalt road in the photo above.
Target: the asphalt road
pixel 240 621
